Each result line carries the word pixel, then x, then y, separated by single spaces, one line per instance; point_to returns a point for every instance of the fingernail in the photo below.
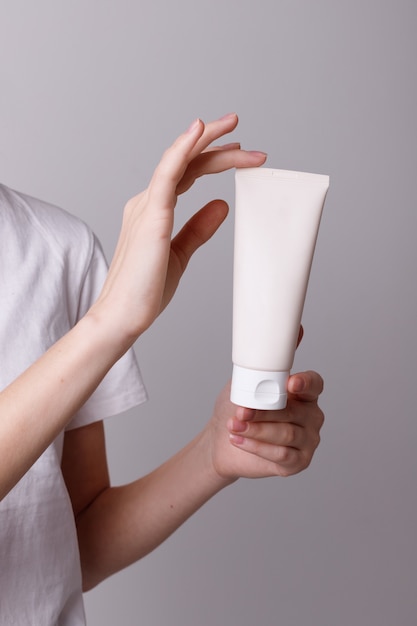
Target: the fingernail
pixel 237 439
pixel 231 146
pixel 194 125
pixel 228 116
pixel 297 385
pixel 258 153
pixel 237 426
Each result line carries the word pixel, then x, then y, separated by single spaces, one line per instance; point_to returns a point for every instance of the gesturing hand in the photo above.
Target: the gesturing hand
pixel 147 264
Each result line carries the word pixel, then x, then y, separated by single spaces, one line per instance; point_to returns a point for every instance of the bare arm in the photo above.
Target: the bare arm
pixel 142 278
pixel 122 524
pixel 119 525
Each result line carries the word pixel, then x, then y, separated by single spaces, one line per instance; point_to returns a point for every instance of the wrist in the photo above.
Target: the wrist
pixel 105 325
pixel 214 468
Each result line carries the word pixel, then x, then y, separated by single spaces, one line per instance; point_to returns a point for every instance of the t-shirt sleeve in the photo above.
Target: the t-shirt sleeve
pixel 122 388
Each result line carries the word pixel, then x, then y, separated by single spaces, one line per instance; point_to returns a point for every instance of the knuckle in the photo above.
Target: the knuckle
pixel 289 435
pixel 283 472
pixel 303 462
pixel 283 455
pixel 306 459
pixel 316 440
pixel 318 382
pixel 290 462
pixel 319 416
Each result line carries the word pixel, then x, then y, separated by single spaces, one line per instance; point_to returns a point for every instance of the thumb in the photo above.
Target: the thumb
pixel 198 230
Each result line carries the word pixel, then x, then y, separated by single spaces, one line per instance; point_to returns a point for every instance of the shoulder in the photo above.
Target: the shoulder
pixel 42 220
pixel 47 235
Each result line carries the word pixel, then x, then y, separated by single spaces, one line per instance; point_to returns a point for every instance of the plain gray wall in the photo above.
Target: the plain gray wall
pixel 91 94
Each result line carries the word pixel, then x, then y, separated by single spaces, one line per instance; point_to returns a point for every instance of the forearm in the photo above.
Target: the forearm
pixel 121 525
pixel 125 523
pixel 39 404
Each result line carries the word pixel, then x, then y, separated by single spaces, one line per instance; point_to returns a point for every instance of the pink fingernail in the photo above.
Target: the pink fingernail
pixel 258 153
pixel 194 125
pixel 228 116
pixel 237 439
pixel 297 385
pixel 231 146
pixel 238 426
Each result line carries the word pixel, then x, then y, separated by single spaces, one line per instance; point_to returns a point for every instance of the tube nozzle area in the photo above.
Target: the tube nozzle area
pixel 258 389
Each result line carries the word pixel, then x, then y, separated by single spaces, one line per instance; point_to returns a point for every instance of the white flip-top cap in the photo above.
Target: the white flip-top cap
pixel 258 389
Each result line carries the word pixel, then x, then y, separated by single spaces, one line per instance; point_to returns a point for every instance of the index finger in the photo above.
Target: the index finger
pixel 215 130
pixel 173 164
pixel 185 148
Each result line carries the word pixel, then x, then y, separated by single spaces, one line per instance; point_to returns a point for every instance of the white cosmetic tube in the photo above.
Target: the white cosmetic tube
pixel 277 218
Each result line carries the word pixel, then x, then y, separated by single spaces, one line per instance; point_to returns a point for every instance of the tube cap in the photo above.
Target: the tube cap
pixel 258 389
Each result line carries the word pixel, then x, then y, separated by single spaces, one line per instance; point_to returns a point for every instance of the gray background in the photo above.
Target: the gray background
pixel 91 93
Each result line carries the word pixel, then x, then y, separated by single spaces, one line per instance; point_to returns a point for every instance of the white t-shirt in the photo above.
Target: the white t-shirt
pixel 51 271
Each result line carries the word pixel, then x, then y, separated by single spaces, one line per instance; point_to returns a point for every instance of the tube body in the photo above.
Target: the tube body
pixel 277 218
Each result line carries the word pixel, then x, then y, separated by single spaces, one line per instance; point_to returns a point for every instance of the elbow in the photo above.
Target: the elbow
pixel 89 581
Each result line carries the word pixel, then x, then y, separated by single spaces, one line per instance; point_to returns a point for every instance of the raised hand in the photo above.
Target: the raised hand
pixel 147 264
